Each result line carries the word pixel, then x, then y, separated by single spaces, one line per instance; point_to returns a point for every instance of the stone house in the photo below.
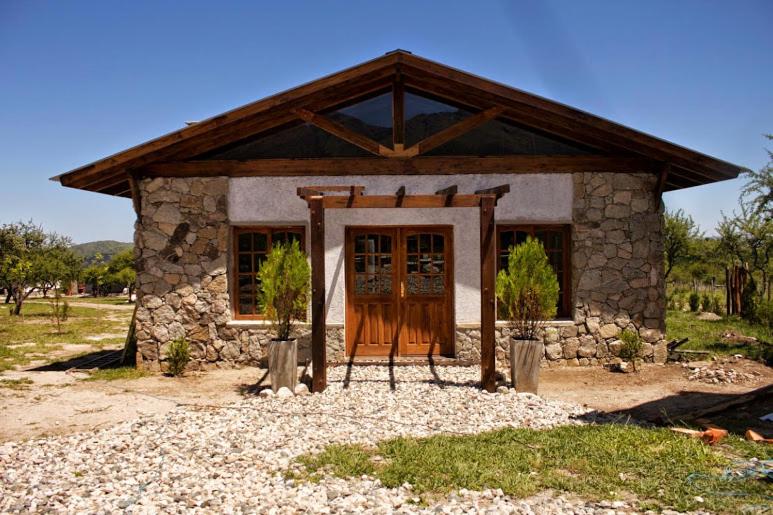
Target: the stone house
pixel 407 182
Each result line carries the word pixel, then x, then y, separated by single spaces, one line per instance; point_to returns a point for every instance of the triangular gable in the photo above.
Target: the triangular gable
pixel 491 108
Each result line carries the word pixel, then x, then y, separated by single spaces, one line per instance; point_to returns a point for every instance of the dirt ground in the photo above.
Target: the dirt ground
pixel 60 402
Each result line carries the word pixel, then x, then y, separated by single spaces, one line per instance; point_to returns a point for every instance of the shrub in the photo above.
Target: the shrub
pixel 631 346
pixel 528 288
pixel 178 356
pixel 765 313
pixel 694 301
pixel 284 292
pixel 705 302
pixel 717 306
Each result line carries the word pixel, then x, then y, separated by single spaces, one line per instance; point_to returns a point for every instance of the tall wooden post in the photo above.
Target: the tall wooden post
pixel 487 292
pixel 318 343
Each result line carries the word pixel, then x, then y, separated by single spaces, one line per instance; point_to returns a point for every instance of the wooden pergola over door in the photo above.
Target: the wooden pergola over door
pixel 319 199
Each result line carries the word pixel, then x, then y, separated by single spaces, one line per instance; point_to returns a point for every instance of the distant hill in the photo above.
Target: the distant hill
pixel 108 248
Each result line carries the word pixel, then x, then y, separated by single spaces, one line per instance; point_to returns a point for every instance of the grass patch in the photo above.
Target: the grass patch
pixel 111 301
pixel 705 335
pixel 116 374
pixel 605 462
pixel 33 335
pixel 16 384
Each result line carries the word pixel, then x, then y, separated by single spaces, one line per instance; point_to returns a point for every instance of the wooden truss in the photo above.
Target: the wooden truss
pixel 320 198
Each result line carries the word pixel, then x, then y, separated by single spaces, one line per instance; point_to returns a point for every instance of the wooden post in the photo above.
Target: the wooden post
pixel 487 292
pixel 318 343
pixel 728 307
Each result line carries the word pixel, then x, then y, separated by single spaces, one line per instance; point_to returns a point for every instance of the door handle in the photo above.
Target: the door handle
pixel 402 289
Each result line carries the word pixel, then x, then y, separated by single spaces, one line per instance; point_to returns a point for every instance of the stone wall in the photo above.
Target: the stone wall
pixel 183 233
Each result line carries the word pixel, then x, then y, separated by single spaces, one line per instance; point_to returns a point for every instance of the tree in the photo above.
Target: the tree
pixel 30 257
pixel 758 191
pixel 121 270
pixel 679 235
pixel 96 275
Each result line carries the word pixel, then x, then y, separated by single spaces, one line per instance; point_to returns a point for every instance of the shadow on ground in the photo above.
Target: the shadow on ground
pixel 735 412
pixel 98 359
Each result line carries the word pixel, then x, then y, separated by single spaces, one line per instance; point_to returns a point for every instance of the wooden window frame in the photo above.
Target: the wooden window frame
pixel 565 309
pixel 269 230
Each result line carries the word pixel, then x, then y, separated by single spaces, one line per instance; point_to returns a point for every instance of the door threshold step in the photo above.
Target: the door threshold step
pixel 403 361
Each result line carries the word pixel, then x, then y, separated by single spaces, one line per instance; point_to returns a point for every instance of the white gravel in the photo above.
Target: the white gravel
pixel 231 459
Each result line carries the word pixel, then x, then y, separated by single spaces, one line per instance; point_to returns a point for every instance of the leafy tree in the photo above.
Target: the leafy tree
pixel 679 237
pixel 96 275
pixel 758 191
pixel 30 258
pixel 121 270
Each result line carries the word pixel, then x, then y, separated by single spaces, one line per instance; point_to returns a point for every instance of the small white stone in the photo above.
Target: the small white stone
pixel 301 389
pixel 266 392
pixel 284 393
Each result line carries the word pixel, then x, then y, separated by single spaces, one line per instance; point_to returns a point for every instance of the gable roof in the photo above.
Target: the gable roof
pixel 686 167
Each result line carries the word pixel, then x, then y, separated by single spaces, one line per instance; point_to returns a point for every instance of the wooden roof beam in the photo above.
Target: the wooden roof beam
pixel 454 131
pixel 344 133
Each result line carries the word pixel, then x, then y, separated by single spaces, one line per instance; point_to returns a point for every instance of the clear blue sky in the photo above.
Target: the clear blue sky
pixel 81 80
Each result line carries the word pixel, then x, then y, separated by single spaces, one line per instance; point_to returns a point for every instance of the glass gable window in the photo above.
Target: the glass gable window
pixel 425 116
pixel 251 246
pixel 299 141
pixel 371 118
pixel 555 239
pixel 497 138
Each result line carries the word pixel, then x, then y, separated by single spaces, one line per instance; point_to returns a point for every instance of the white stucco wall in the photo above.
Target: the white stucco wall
pixel 533 198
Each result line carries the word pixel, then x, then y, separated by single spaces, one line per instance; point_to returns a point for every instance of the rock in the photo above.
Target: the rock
pixel 609 331
pixel 284 393
pixel 302 389
pixel 266 392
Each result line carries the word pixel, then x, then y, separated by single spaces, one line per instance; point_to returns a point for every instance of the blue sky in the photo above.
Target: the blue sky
pixel 81 80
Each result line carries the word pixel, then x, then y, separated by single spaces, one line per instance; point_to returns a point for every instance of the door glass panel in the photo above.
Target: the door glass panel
pixel 373 264
pixel 359 263
pixel 261 241
pixel 425 243
pixel 245 242
pixel 245 263
pixel 438 242
pixel 425 264
pixel 412 243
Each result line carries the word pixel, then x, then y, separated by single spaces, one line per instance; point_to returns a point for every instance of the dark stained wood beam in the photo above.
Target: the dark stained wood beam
pixel 451 190
pixel 134 186
pixel 398 113
pixel 339 131
pixel 309 191
pixel 487 289
pixel 318 323
pixel 390 201
pixel 400 196
pixel 422 165
pixel 661 184
pixel 497 191
pixel 454 131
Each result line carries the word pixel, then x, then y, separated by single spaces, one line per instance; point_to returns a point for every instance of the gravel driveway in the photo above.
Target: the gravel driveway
pixel 231 459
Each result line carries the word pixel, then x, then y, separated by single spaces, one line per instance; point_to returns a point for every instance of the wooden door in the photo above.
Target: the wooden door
pixel 426 275
pixel 399 291
pixel 372 291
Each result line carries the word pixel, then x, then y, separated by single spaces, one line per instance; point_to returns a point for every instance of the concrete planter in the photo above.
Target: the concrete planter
pixel 283 364
pixel 525 357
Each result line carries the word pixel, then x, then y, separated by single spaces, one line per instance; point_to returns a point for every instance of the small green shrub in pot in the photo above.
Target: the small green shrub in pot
pixel 528 293
pixel 177 357
pixel 283 296
pixel 631 346
pixel 528 288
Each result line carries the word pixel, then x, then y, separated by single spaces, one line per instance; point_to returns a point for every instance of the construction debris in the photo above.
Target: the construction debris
pixel 754 436
pixel 710 436
pixel 715 373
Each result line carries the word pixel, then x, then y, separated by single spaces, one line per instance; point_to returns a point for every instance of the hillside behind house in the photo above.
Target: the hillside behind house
pixel 107 248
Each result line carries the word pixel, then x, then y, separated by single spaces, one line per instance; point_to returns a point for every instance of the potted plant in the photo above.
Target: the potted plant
pixel 528 292
pixel 283 295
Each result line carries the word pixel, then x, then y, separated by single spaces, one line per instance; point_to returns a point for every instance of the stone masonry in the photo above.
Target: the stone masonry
pixel 182 238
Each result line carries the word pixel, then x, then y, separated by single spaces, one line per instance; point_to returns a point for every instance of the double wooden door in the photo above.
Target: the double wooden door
pixel 399 291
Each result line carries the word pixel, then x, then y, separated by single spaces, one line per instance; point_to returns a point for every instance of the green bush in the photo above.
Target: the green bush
pixel 694 301
pixel 717 306
pixel 765 313
pixel 284 291
pixel 528 288
pixel 177 357
pixel 631 346
pixel 705 302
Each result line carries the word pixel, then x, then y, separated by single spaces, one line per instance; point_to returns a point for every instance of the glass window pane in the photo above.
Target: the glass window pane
pixel 412 264
pixel 371 245
pixel 386 263
pixel 438 243
pixel 359 244
pixel 371 118
pixel 245 306
pixel 386 284
pixel 245 242
pixel 506 240
pixel 520 237
pixel 371 264
pixel 412 243
pixel 259 259
pixel 245 263
pixel 359 284
pixel 438 263
pixel 260 241
pixel 499 137
pixel 386 243
pixel 425 243
pixel 372 284
pixel 437 285
pixel 245 285
pixel 297 141
pixel 425 116
pixel 359 263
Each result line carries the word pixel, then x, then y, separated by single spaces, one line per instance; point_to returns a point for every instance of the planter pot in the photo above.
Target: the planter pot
pixel 283 364
pixel 525 357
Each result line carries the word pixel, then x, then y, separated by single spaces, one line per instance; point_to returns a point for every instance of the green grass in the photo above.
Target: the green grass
pixel 116 374
pixel 121 300
pixel 705 335
pixel 26 337
pixel 16 384
pixel 656 467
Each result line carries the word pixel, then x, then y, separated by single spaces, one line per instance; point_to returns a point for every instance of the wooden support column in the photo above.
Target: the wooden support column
pixel 487 292
pixel 318 343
